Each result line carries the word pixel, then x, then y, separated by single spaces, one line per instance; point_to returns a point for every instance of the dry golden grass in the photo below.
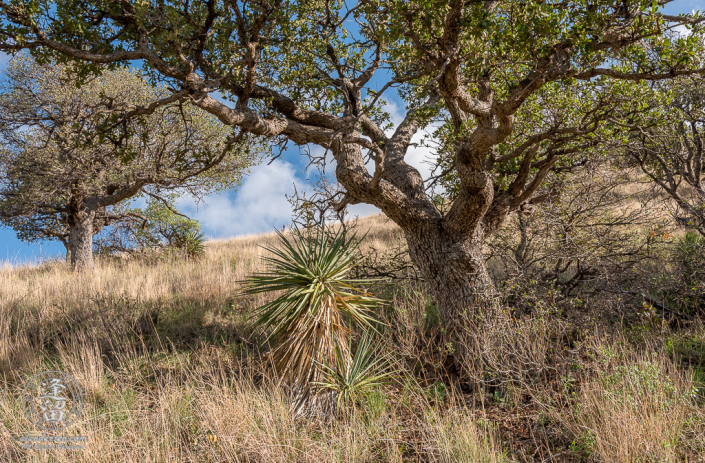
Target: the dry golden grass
pixel 636 408
pixel 171 372
pixel 163 354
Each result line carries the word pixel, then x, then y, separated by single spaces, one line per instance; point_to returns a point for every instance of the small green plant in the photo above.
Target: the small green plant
pixel 582 447
pixel 688 246
pixel 497 397
pixel 690 353
pixel 568 382
pixel 683 287
pixel 432 316
pixel 375 404
pixel 438 392
pixel 353 379
pixel 631 384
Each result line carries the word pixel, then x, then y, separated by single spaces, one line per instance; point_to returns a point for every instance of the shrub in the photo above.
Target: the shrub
pixel 157 226
pixel 191 241
pixel 682 285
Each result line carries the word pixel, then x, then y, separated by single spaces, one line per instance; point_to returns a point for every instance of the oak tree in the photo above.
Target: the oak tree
pixel 667 143
pixel 318 72
pixel 156 229
pixel 70 155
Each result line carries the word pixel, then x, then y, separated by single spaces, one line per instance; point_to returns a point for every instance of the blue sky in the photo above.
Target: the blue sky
pixel 260 204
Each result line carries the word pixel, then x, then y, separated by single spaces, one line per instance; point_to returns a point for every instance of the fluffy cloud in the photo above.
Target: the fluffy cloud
pixel 416 156
pixel 259 205
pixel 682 30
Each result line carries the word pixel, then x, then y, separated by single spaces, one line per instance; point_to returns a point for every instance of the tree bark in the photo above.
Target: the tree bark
pixel 457 275
pixel 80 221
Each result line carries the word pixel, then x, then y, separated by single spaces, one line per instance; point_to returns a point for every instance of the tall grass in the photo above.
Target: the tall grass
pixel 172 372
pixel 635 407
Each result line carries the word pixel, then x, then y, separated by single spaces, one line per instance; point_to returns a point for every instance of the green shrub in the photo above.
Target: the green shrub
pixel 191 241
pixel 352 379
pixel 157 226
pixel 684 288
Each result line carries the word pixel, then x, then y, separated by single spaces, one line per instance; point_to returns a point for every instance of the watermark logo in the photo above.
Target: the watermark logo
pixel 53 401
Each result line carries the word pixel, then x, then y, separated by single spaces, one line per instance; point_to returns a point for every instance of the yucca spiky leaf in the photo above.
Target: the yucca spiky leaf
pixel 193 243
pixel 351 379
pixel 309 320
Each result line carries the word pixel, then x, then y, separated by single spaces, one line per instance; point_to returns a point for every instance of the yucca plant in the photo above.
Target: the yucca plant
pixel 193 243
pixel 310 319
pixel 350 379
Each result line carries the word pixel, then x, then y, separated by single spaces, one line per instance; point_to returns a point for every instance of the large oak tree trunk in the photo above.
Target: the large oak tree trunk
pixel 80 240
pixel 449 258
pixel 456 273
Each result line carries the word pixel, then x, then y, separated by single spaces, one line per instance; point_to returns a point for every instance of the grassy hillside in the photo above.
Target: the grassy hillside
pixel 172 371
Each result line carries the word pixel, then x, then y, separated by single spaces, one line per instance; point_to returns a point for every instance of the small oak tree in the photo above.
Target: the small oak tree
pixel 70 153
pixel 317 72
pixel 668 145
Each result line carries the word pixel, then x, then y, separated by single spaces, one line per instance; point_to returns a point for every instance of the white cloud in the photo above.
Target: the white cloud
pixel 416 156
pixel 396 116
pixel 359 210
pixel 259 205
pixel 362 210
pixel 419 156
